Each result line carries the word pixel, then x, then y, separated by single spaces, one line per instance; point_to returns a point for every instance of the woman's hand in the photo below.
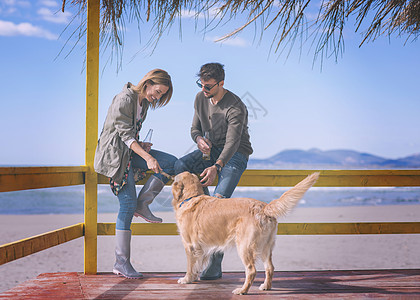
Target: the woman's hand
pixel 146 146
pixel 153 165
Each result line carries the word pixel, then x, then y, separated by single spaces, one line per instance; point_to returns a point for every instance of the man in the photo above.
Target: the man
pixel 224 116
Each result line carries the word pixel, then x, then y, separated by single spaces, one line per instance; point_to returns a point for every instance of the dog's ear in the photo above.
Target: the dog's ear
pixel 177 190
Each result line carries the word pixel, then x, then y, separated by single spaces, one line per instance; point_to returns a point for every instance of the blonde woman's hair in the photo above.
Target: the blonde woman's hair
pixel 156 76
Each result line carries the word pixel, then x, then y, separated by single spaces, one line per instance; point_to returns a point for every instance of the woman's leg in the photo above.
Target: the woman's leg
pixel 154 185
pixel 128 203
pixel 165 160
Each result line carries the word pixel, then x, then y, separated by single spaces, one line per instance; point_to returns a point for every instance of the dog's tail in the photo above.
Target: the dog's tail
pixel 289 199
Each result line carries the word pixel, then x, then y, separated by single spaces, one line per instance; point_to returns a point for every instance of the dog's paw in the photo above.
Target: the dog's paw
pixel 239 291
pixel 184 280
pixel 264 287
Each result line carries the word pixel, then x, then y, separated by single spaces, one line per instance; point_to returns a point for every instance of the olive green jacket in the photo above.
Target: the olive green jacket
pixel 112 154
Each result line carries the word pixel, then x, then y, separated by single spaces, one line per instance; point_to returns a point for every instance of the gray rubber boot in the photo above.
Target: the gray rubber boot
pixel 214 269
pixel 150 190
pixel 122 264
pixel 206 191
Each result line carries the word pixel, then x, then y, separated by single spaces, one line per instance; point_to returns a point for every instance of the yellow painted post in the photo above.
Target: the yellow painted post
pixel 91 179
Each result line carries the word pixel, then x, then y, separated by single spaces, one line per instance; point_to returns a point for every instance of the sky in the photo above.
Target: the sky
pixel 366 100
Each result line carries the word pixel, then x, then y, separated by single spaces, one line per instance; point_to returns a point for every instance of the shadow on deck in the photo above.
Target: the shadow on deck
pixel 300 285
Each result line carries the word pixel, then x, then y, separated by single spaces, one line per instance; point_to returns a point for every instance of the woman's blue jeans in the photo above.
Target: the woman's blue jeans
pixel 228 177
pixel 127 195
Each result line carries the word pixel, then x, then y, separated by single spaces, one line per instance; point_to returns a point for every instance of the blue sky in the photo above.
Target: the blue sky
pixel 367 101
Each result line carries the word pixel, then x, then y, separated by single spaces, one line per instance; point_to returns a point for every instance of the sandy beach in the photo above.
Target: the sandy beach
pixel 166 254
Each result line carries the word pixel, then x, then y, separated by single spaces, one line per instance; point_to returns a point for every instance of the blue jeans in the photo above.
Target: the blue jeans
pixel 228 177
pixel 127 196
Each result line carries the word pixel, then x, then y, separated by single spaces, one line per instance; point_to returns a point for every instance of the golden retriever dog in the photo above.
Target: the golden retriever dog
pixel 208 224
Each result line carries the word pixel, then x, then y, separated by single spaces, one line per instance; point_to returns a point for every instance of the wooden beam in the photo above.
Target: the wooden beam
pixel 348 228
pixel 328 178
pixel 25 247
pixel 141 229
pixel 26 178
pixel 332 178
pixel 28 246
pixel 92 90
pixel 285 228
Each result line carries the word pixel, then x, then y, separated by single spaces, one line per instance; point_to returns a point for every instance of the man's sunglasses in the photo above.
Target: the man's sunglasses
pixel 206 87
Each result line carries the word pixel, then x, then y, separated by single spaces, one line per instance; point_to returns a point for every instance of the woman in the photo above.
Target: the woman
pixel 124 159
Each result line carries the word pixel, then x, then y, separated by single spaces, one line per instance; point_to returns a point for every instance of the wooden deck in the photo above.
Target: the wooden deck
pixel 386 284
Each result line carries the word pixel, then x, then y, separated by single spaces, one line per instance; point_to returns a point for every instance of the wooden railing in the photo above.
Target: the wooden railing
pixel 16 179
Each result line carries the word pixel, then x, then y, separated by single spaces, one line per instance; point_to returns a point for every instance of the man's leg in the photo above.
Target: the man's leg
pixel 230 175
pixel 228 180
pixel 192 162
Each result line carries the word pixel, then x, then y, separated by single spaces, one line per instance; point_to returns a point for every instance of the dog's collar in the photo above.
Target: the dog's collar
pixel 186 200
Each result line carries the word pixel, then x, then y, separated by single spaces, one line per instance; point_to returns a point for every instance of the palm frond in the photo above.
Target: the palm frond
pixel 288 17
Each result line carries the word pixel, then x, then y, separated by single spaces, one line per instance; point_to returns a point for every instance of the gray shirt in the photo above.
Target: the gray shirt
pixel 227 122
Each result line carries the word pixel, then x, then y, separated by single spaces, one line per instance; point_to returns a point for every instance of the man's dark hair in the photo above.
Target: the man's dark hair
pixel 212 70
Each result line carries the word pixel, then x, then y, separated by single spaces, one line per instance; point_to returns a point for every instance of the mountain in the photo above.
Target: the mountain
pixel 315 158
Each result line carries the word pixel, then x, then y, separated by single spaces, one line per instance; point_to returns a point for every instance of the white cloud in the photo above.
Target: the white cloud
pixel 49 3
pixel 190 14
pixel 50 16
pixel 25 29
pixel 11 7
pixel 9 11
pixel 17 3
pixel 200 15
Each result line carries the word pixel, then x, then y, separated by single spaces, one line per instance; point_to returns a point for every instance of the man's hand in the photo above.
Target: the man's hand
pixel 203 144
pixel 209 175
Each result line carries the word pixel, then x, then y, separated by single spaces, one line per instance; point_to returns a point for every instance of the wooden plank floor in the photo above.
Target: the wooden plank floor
pixel 386 284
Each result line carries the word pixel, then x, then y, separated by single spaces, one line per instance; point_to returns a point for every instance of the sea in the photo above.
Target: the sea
pixel 69 200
